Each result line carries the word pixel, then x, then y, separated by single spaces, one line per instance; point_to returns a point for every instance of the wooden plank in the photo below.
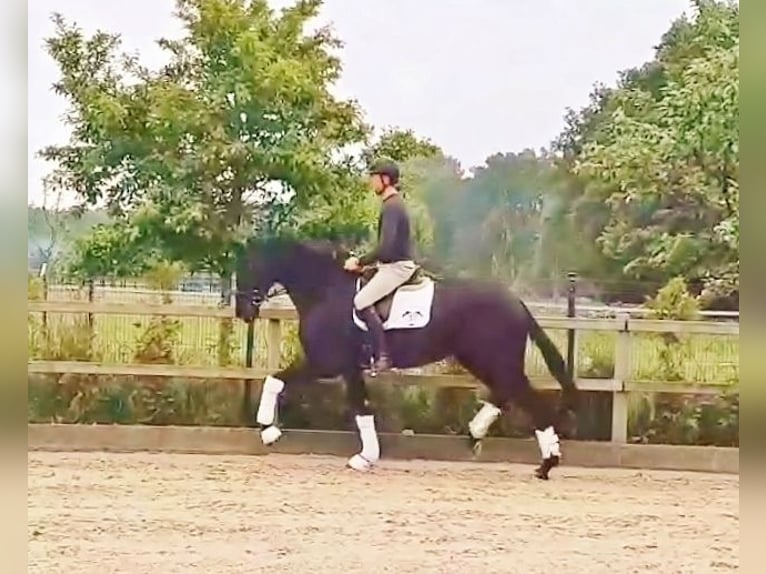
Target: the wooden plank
pixel 127 309
pixel 683 327
pixel 278 312
pixel 177 371
pixel 274 344
pixel 680 388
pixel 581 323
pixel 622 360
pixel 244 441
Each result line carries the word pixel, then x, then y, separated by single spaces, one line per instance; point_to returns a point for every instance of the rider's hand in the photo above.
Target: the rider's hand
pixel 352 264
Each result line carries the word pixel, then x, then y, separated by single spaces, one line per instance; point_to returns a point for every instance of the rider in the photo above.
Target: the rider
pixel 393 256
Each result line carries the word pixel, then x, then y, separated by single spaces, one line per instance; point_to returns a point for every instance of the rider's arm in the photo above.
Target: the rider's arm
pixel 388 227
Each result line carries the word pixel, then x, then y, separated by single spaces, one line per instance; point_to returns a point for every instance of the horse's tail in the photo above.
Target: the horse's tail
pixel 554 361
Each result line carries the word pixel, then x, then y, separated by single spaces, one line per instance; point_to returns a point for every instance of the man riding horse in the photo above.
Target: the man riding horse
pixel 393 255
pixel 479 323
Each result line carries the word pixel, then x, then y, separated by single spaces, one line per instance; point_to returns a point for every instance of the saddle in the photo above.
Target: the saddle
pixel 411 301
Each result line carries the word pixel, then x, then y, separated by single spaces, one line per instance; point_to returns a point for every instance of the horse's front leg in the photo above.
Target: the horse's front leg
pixel 295 374
pixel 356 392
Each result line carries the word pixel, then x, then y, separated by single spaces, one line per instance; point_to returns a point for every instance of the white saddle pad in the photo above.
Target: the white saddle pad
pixel 410 308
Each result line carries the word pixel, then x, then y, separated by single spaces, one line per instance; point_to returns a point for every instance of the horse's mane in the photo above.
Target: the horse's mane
pixel 322 251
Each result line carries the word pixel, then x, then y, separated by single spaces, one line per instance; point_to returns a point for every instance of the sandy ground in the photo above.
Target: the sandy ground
pixel 152 513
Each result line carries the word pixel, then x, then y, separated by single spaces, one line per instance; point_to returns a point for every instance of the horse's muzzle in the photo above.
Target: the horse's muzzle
pixel 248 310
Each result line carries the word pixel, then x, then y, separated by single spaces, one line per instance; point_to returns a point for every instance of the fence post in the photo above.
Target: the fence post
pixel 247 397
pixel 44 276
pixel 274 345
pixel 571 312
pixel 91 297
pixel 622 365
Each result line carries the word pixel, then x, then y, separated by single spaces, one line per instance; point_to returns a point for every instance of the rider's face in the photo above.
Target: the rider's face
pixel 377 183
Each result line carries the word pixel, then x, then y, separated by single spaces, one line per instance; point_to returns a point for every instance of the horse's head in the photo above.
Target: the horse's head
pixel 258 269
pixel 301 267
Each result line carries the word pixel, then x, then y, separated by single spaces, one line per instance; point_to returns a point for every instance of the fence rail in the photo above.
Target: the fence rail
pixel 212 298
pixel 619 385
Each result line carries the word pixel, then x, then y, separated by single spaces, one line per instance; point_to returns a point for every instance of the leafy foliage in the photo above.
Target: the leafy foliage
pixel 665 160
pixel 400 146
pixel 238 130
pixel 674 302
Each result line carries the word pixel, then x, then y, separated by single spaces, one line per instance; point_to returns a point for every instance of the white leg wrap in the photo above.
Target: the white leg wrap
pixel 479 425
pixel 370 453
pixel 549 442
pixel 267 409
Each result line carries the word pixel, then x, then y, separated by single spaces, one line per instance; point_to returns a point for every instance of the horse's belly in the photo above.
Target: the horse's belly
pixel 413 348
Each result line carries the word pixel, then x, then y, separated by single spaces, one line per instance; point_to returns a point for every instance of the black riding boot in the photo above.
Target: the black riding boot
pixel 379 349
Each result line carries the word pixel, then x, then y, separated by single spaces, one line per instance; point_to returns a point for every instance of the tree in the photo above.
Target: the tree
pixel 596 170
pixel 400 146
pixel 239 130
pixel 47 228
pixel 668 165
pixel 500 213
pixel 434 184
pixel 52 230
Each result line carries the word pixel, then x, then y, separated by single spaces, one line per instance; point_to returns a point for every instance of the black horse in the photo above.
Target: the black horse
pixel 481 325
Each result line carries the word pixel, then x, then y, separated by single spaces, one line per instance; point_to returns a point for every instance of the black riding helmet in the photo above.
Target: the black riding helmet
pixel 386 167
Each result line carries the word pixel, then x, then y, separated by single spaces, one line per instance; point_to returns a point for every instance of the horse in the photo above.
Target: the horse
pixel 479 324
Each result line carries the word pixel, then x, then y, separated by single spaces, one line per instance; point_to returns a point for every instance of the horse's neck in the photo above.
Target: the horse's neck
pixel 309 289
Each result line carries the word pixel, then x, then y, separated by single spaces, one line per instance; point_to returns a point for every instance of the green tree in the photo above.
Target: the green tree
pixel 434 184
pixel 668 165
pixel 239 130
pixel 500 213
pixel 400 146
pixel 637 197
pixel 52 232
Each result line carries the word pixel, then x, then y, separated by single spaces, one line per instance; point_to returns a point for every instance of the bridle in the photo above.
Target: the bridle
pixel 255 298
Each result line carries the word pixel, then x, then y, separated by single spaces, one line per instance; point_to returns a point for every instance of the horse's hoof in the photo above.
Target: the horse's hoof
pixel 541 473
pixel 270 435
pixel 359 463
pixel 545 467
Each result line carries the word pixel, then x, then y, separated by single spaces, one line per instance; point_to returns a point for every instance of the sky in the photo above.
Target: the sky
pixel 478 77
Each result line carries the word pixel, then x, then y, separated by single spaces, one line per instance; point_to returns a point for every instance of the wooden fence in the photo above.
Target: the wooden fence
pixel 619 385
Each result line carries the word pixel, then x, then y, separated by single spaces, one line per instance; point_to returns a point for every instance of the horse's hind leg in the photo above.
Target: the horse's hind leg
pixel 543 417
pixel 479 425
pixel 504 376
